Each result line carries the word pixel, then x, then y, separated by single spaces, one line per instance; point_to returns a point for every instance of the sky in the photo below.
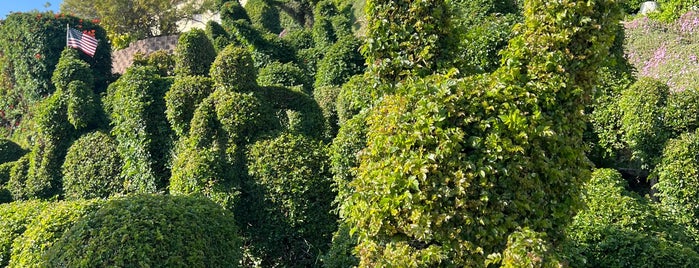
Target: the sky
pixel 27 5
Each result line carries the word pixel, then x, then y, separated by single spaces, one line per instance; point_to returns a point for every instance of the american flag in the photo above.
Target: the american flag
pixel 84 42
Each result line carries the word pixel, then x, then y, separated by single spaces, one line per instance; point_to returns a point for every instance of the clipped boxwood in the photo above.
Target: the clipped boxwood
pixel 234 69
pixel 18 178
pixel 296 111
pixel 83 109
pixel 194 53
pixel 45 229
pixel 183 98
pixel 341 62
pixel 263 15
pixel 10 151
pixel 294 220
pixel 286 75
pixel 92 168
pixel 71 68
pixel 326 97
pixel 15 218
pixel 682 111
pixel 217 34
pixel 150 231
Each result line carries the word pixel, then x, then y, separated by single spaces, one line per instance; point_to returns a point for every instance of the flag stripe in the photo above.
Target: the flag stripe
pixel 84 42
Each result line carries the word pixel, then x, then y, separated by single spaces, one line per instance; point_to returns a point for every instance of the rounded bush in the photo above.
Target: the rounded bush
pixel 234 69
pixel 92 168
pixel 299 39
pixel 263 16
pixel 16 216
pixel 5 170
pixel 18 179
pixel 162 60
pixel 526 248
pixel 153 231
pixel 296 222
pixel 83 109
pixel 286 75
pixel 194 53
pixel 296 111
pixel 232 11
pixel 70 68
pixel 45 229
pixel 10 151
pixel 183 98
pixel 341 62
pixel 242 116
pixel 682 111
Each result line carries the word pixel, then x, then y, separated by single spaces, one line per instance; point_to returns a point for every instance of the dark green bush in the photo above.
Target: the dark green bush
pixel 152 231
pixel 294 223
pixel 83 109
pixel 682 111
pixel 218 35
pixel 183 98
pixel 70 68
pixel 194 53
pixel 234 69
pixel 18 178
pixel 341 62
pixel 483 41
pixel 263 15
pixel 137 102
pixel 5 169
pixel 10 151
pixel 299 39
pixel 92 168
pixel 297 112
pixel 526 248
pixel 45 229
pixel 355 95
pixel 340 253
pixel 162 60
pixel 642 108
pixel 678 178
pixel 15 218
pixel 244 116
pixel 286 75
pixel 265 48
pixel 309 58
pixel 326 97
pixel 5 195
pixel 622 229
pixel 233 11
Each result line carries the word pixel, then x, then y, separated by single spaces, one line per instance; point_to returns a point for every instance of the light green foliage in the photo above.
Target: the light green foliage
pixel 194 53
pixel 45 229
pixel 150 231
pixel 15 218
pixel 70 68
pixel 92 168
pixel 294 219
pixel 83 111
pixel 285 75
pixel 682 111
pixel 139 125
pixel 263 15
pixel 234 69
pixel 642 123
pixel 341 61
pixel 162 60
pixel 526 248
pixel 183 98
pixel 10 151
pixel 18 177
pixel 355 95
pixel 452 166
pixel 678 179
pixel 326 97
pixel 483 41
pixel 297 112
pixel 622 229
pixel 672 9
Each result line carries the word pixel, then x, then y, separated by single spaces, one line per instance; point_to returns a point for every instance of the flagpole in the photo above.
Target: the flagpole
pixel 67 30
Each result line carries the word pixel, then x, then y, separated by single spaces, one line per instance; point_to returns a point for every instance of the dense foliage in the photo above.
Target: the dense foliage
pixel 195 53
pixel 92 168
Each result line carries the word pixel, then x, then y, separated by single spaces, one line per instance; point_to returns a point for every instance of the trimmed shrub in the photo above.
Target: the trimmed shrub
pixel 341 62
pixel 294 223
pixel 299 39
pixel 5 195
pixel 234 69
pixel 682 111
pixel 218 35
pixel 183 98
pixel 483 40
pixel 161 231
pixel 642 108
pixel 162 60
pixel 83 109
pixel 309 58
pixel 233 11
pixel 18 178
pixel 70 68
pixel 622 229
pixel 263 16
pixel 355 95
pixel 194 53
pixel 243 116
pixel 45 229
pixel 15 219
pixel 141 129
pixel 285 75
pixel 92 168
pixel 526 248
pixel 326 97
pixel 678 179
pixel 5 169
pixel 296 111
pixel 265 48
pixel 10 151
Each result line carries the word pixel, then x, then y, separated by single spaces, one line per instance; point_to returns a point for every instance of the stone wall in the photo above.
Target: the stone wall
pixel 123 59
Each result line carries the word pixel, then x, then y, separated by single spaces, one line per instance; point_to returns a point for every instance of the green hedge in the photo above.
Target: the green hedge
pixel 218 35
pixel 285 75
pixel 141 129
pixel 293 224
pixel 83 110
pixel 163 60
pixel 263 15
pixel 45 229
pixel 326 97
pixel 682 111
pixel 234 69
pixel 92 168
pixel 10 151
pixel 341 62
pixel 183 98
pixel 150 231
pixel 71 68
pixel 18 178
pixel 194 53
pixel 15 219
pixel 296 111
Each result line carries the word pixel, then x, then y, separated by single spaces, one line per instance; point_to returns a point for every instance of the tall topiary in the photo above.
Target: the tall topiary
pixel 285 75
pixel 150 230
pixel 341 62
pixel 141 129
pixel 263 15
pixel 452 166
pixel 92 168
pixel 218 35
pixel 293 219
pixel 194 53
pixel 234 69
pixel 182 100
pixel 10 151
pixel 326 97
